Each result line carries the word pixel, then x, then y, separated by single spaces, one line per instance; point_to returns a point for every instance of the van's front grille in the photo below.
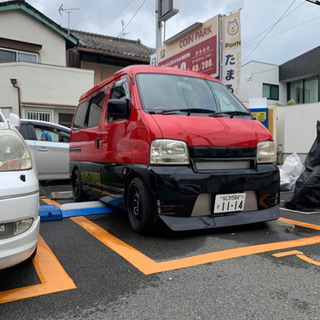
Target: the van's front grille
pixel 222 152
pixel 222 165
pixel 223 158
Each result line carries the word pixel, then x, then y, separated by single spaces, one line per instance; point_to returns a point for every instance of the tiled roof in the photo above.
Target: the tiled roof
pixel 112 45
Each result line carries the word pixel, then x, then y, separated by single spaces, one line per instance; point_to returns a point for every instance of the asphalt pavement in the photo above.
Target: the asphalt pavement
pixel 231 273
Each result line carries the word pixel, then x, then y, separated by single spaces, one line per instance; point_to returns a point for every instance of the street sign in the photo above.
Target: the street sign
pixel 195 48
pixel 167 9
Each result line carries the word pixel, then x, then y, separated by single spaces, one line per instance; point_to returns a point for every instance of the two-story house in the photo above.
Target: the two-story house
pixel 45 68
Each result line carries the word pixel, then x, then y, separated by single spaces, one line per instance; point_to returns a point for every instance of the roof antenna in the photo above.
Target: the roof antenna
pixel 123 33
pixel 61 9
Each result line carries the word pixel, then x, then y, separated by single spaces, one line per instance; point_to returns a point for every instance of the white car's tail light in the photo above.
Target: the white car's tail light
pixel 14 155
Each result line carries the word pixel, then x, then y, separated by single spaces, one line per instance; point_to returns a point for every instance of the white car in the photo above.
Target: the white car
pixel 49 144
pixel 19 197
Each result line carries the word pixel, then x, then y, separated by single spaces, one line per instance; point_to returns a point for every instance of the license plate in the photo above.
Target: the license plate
pixel 229 202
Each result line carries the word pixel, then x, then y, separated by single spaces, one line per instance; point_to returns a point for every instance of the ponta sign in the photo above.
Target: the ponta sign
pixel 195 48
pixel 199 48
pixel 231 52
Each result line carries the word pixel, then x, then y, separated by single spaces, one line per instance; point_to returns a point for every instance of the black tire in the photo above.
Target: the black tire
pixel 140 208
pixel 78 193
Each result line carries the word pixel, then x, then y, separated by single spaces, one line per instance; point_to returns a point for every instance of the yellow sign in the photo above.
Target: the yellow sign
pixel 261 116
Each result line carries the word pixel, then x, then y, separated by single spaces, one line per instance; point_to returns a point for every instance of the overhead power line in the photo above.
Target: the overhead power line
pixel 269 31
pixel 121 11
pixel 314 1
pixel 261 33
pixel 132 17
pixel 289 29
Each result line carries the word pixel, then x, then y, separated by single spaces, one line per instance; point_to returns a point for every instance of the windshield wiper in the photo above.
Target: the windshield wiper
pixel 188 111
pixel 233 113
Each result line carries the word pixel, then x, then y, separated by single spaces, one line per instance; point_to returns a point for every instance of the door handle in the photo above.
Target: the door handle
pixel 97 144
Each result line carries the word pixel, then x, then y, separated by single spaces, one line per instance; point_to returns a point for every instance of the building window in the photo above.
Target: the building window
pixel 270 91
pixel 7 55
pixel 34 115
pixel 65 119
pixel 304 91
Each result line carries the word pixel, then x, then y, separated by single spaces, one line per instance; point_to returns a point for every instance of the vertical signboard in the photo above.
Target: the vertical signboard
pixel 196 49
pixel 231 52
pixel 167 9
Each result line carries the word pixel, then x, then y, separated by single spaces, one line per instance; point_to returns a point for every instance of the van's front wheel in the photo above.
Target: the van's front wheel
pixel 139 206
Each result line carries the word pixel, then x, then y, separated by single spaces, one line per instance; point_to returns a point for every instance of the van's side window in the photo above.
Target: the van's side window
pixel 96 109
pixel 120 90
pixel 80 116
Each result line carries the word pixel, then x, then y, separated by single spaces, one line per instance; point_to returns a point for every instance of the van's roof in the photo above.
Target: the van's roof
pixel 134 69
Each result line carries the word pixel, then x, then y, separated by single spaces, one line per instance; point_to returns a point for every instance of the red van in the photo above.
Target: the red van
pixel 175 145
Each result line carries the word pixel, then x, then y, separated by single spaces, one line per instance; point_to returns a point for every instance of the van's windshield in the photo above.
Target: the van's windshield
pixel 175 94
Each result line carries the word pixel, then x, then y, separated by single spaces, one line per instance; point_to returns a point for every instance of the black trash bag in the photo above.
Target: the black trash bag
pixel 306 195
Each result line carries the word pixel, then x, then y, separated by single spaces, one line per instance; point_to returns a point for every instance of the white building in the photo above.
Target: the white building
pixel 35 82
pixel 261 80
pixel 292 92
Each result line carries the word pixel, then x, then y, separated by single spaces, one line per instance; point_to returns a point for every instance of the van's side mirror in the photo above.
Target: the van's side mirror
pixel 118 109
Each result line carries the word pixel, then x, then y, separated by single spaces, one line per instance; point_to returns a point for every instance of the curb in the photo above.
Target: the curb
pixel 51 212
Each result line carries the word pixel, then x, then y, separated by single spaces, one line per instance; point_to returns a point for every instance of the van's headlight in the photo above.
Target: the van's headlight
pixel 165 151
pixel 266 152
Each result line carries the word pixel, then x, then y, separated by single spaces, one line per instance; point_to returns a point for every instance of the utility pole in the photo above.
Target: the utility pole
pixel 158 27
pixel 165 9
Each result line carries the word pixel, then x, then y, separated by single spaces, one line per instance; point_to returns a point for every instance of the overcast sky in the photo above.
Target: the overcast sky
pixel 273 31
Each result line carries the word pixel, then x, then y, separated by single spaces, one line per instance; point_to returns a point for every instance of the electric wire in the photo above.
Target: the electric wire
pixel 261 33
pixel 268 31
pixel 286 30
pixel 124 8
pixel 132 18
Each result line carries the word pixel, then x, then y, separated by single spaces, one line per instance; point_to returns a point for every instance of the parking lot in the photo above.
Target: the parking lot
pixel 95 267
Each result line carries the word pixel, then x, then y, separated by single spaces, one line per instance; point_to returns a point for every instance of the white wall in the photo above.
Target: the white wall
pixel 20 26
pixel 253 75
pixel 296 128
pixel 43 86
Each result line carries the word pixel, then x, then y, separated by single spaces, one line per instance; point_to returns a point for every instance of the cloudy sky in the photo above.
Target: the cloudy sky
pixel 273 31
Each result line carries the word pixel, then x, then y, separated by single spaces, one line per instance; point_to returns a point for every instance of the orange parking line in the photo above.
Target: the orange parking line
pixel 135 257
pixel 299 254
pixel 299 223
pixel 149 266
pixel 51 274
pixel 49 201
pixel 309 260
pixel 287 253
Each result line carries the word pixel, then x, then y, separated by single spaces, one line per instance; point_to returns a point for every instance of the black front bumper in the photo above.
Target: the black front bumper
pixel 232 219
pixel 175 190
